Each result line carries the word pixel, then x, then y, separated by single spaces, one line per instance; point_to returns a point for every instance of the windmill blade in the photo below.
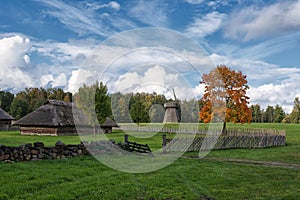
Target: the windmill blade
pixel 174 94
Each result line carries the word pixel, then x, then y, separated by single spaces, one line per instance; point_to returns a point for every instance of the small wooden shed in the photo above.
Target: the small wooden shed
pixel 5 120
pixel 53 118
pixel 108 125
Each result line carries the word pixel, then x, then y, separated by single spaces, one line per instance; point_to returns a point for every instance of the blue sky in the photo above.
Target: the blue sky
pixel 44 42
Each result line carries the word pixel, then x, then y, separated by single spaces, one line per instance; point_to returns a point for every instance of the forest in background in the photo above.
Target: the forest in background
pixel 136 107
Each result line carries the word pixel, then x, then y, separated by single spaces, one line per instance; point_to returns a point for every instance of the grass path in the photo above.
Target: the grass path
pixel 257 162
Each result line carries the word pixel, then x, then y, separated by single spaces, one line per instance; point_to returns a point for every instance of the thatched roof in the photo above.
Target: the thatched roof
pixel 53 113
pixel 5 116
pixel 109 123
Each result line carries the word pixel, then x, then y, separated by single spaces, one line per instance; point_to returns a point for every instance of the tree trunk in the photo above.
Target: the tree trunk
pixel 224 128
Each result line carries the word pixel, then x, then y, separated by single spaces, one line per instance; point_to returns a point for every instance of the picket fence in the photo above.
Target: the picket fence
pixel 214 139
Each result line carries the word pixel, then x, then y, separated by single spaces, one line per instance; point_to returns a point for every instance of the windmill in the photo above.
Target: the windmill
pixel 172 114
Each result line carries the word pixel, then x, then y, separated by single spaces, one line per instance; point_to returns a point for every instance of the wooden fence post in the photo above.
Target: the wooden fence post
pixel 126 138
pixel 164 142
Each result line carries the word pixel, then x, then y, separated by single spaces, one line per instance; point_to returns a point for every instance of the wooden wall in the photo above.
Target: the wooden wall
pixel 54 131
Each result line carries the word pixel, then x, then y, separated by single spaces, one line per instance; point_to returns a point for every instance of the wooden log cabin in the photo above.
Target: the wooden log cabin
pixel 53 118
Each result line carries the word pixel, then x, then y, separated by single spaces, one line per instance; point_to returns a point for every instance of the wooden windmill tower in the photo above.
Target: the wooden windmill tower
pixel 172 111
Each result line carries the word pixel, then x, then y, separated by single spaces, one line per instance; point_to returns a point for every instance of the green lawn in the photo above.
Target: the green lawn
pixel 14 138
pixel 186 178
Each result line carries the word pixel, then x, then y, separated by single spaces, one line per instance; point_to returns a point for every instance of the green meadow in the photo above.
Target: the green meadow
pixel 218 176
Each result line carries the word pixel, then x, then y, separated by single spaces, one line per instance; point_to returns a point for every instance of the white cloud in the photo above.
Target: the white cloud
pixel 269 84
pixel 13 63
pixel 199 90
pixel 155 79
pixel 150 12
pixel 84 18
pixel 282 94
pixel 96 6
pixel 261 50
pixel 55 81
pixel 115 5
pixel 275 19
pixel 195 1
pixel 74 52
pixel 206 25
pixel 26 59
pixel 80 77
pixel 59 59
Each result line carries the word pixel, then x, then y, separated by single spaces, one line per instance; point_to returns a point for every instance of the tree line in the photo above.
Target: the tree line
pixel 130 107
pixel 30 99
pixel 276 114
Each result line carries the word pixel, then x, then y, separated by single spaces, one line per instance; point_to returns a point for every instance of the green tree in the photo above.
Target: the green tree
pixel 156 113
pixel 19 108
pixel 279 114
pixel 190 111
pixel 102 102
pixel 138 110
pixel 6 99
pixel 268 115
pixel 295 115
pixel 59 94
pixel 256 113
pixel 34 97
pixel 94 102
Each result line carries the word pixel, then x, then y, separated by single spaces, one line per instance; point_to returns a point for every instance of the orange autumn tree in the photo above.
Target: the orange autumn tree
pixel 225 97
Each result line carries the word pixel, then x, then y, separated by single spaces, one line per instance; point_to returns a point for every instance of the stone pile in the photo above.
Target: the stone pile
pixel 38 151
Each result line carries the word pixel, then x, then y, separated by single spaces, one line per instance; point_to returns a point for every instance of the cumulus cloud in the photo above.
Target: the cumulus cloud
pixel 155 79
pixel 80 77
pixel 269 84
pixel 282 94
pixel 55 81
pixel 13 63
pixel 253 22
pixel 73 52
pixel 205 25
pixel 58 61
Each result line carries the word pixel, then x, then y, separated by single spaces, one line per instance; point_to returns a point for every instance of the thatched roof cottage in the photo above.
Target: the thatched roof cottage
pixel 53 118
pixel 108 125
pixel 5 120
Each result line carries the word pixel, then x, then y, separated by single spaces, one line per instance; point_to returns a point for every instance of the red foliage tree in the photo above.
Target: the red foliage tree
pixel 225 96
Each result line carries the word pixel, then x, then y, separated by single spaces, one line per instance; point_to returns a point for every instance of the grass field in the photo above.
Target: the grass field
pixel 186 178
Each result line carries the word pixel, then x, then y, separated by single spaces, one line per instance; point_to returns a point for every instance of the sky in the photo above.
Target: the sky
pixel 43 43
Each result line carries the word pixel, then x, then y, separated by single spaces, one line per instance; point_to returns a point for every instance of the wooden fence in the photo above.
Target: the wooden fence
pixel 185 129
pixel 167 129
pixel 134 146
pixel 233 138
pixel 207 139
